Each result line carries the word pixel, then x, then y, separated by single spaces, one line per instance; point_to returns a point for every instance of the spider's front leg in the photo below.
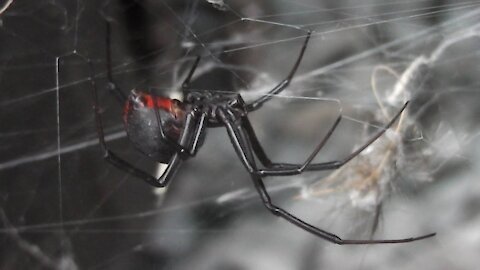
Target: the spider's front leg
pixel 256 104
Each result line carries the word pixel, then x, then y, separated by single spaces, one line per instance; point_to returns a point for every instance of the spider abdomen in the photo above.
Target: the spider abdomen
pixel 143 127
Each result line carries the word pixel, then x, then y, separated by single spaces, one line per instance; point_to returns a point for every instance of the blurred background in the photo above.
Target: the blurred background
pixel 63 207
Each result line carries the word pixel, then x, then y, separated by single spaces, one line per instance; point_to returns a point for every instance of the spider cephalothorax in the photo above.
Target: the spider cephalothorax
pixel 171 131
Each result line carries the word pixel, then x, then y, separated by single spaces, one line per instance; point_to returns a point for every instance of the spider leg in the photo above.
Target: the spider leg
pixel 293 169
pixel 191 119
pixel 197 134
pixel 159 182
pixel 112 86
pixel 120 163
pixel 187 80
pixel 244 151
pixel 265 160
pixel 277 211
pixel 283 84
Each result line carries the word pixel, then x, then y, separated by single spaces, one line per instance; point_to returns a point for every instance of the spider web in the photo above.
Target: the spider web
pixel 64 207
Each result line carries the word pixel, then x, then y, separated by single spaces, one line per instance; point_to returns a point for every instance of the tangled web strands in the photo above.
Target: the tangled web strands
pixel 365 60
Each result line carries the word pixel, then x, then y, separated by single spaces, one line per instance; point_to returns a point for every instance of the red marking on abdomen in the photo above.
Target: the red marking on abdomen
pixel 164 103
pixel 150 102
pixel 157 102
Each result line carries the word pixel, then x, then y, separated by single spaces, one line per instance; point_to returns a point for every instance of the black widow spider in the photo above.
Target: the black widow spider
pixel 171 131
